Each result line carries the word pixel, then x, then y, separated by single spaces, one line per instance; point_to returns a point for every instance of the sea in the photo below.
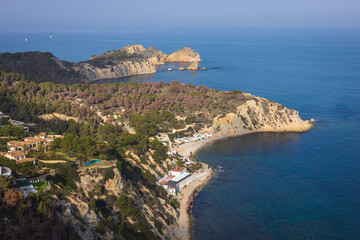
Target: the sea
pixel 267 185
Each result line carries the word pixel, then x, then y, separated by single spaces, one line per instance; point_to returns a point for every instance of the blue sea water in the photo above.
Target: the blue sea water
pixel 271 185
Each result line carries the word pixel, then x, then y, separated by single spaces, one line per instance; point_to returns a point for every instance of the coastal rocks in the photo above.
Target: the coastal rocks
pixel 181 68
pixel 203 68
pixel 169 69
pixel 193 66
pixel 259 115
pixel 185 54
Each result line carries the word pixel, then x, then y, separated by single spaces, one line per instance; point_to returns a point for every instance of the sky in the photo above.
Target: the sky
pixel 95 14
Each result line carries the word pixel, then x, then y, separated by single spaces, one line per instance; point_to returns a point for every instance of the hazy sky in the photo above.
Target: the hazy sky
pixel 37 14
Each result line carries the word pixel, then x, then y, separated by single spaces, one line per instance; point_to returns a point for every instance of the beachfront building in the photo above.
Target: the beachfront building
pixel 171 181
pixel 5 171
pixel 196 137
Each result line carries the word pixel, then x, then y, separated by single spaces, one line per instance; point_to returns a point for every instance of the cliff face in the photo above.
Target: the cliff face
pixel 259 115
pixel 151 211
pixel 185 54
pixel 116 69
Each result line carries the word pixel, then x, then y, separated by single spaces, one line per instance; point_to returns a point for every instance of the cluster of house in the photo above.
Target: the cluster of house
pixel 194 138
pixel 17 149
pixel 171 182
pixel 15 122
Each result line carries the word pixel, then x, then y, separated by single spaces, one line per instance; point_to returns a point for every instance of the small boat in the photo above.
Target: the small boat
pixel 50 36
pixel 26 39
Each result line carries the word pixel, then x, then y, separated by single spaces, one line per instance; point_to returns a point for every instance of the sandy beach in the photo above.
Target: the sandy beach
pixel 191 147
pixel 186 197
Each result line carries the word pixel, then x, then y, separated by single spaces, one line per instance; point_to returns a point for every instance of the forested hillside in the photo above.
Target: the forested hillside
pixel 39 67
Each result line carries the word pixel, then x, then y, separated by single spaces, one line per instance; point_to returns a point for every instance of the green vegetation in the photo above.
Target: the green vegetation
pixel 40 185
pixel 26 168
pixel 146 104
pixel 9 130
pixel 38 67
pixel 32 217
pixel 126 207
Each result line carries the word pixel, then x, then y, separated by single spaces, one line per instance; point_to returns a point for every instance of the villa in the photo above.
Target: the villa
pixel 171 181
pixel 32 142
pixel 15 155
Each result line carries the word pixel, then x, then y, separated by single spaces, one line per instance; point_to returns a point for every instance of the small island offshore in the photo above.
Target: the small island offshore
pixel 112 161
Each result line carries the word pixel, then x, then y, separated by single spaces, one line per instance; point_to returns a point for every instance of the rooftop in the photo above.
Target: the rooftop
pixel 179 169
pixel 16 154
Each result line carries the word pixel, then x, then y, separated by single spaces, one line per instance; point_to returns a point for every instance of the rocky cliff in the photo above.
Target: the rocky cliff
pixel 259 115
pixel 185 54
pixel 115 69
pixel 148 210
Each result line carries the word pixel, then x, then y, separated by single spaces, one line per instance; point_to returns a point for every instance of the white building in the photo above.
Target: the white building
pixel 171 181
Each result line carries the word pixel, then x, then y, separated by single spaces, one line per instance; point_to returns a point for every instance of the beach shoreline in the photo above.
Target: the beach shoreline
pixel 191 148
pixel 186 199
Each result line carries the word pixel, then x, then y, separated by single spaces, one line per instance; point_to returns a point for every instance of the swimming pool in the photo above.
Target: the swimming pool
pixel 92 162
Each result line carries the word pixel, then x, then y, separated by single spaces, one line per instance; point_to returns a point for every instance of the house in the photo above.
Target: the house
pixel 19 124
pixel 31 142
pixel 171 181
pixel 15 155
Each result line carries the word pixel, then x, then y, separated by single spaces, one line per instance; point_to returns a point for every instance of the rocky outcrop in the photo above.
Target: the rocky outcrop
pixel 115 185
pixel 185 54
pixel 193 66
pixel 259 115
pixel 155 56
